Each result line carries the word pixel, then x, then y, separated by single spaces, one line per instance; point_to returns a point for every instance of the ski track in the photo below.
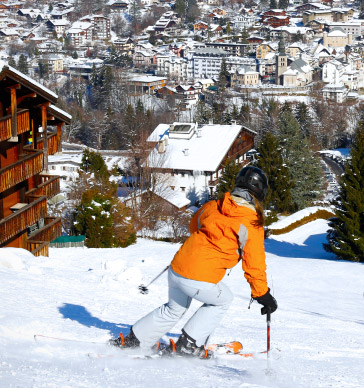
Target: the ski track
pixel 91 295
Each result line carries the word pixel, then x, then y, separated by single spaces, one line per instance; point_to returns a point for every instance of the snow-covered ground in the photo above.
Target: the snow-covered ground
pixel 92 295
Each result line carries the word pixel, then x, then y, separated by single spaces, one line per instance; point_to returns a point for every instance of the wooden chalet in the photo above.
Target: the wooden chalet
pixel 30 130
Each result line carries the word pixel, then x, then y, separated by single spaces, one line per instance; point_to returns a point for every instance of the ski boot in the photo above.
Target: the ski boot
pixel 130 341
pixel 186 346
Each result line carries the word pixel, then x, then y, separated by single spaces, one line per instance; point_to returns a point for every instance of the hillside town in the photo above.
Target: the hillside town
pixel 177 48
pixel 175 90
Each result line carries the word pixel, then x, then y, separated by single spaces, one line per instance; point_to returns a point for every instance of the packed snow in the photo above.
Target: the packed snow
pixel 92 295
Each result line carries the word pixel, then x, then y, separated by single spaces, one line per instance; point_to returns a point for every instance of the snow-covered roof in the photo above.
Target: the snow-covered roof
pixel 203 151
pixel 26 78
pixel 176 198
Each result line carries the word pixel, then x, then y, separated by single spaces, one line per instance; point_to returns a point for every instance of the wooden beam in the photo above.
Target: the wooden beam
pixel 14 109
pixel 22 98
pixel 45 136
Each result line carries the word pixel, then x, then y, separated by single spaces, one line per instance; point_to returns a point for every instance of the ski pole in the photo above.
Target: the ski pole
pixel 268 331
pixel 144 289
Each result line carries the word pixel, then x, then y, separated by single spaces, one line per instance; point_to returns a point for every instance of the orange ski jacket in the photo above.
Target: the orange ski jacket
pixel 222 233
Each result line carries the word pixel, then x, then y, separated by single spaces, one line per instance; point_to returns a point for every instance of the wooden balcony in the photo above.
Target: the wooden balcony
pixel 38 248
pixel 52 143
pixel 38 242
pixel 21 219
pixel 5 128
pixel 49 186
pixel 24 168
pixel 23 124
pixel 23 121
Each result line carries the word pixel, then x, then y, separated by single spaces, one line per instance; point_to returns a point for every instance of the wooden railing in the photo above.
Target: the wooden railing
pixel 38 242
pixel 38 248
pixel 5 128
pixel 19 171
pixel 23 124
pixel 23 121
pixel 50 186
pixel 18 221
pixel 52 143
pixel 50 231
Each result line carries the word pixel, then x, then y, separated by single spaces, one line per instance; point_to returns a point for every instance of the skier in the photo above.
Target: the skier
pixel 222 232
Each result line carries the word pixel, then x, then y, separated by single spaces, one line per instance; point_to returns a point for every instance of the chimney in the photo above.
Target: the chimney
pixel 161 147
pixel 211 122
pixel 199 132
pixel 186 151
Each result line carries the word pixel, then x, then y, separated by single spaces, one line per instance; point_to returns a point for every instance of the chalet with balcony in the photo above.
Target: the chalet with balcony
pixel 30 130
pixel 191 157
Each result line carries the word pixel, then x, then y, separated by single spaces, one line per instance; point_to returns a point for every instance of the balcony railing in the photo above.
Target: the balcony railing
pixel 24 168
pixel 49 186
pixel 50 231
pixel 23 124
pixel 38 242
pixel 23 121
pixel 5 128
pixel 18 221
pixel 38 248
pixel 52 143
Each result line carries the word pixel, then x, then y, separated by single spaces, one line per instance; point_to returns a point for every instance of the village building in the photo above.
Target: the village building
pixel 147 83
pixel 30 131
pixel 336 38
pixel 244 76
pixel 191 157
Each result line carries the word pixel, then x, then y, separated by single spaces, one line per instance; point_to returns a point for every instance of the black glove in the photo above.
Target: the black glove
pixel 268 301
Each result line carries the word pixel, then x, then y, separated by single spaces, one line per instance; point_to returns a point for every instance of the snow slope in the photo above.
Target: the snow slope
pixel 92 294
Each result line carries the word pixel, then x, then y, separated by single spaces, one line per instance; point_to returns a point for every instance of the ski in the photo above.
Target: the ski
pixel 38 337
pixel 226 348
pixel 233 347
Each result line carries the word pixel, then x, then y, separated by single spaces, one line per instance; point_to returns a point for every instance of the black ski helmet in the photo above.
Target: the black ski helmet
pixel 254 180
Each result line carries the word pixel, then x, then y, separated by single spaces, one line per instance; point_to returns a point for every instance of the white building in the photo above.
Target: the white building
pixel 335 92
pixel 190 157
pixel 333 71
pixel 171 66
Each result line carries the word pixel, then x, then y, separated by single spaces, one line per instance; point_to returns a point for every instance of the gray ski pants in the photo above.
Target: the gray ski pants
pixel 216 299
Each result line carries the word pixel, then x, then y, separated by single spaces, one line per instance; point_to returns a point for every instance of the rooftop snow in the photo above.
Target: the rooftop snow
pixel 203 153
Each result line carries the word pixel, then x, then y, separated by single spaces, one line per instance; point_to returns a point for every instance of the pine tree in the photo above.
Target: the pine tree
pixel 283 4
pixel 273 4
pixel 279 197
pixel 202 113
pixel 227 179
pixel 305 169
pixel 180 6
pixel 302 115
pixel 11 62
pixel 346 236
pixel 23 64
pixel 223 75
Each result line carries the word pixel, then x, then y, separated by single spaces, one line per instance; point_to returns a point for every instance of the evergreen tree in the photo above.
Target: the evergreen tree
pixel 279 197
pixel 180 7
pixel 227 180
pixel 23 64
pixel 104 221
pixel 135 13
pixel 202 113
pixel 244 36
pixel 305 169
pixel 224 75
pixel 93 163
pixel 11 62
pixel 302 115
pixel 346 236
pixel 273 4
pixel 100 216
pixel 283 4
